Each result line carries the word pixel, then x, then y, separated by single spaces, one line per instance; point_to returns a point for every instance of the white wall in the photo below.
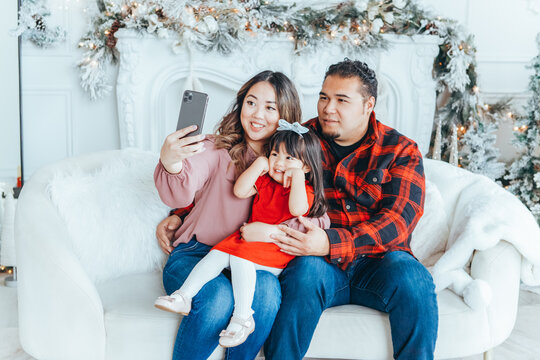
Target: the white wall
pixel 60 121
pixel 9 94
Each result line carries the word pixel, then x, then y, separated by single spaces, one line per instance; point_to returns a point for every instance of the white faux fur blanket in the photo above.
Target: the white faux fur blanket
pixel 484 215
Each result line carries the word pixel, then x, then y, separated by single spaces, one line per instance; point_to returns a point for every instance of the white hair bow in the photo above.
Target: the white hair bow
pixel 296 127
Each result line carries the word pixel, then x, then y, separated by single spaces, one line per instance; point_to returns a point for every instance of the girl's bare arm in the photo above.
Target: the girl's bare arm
pixel 245 184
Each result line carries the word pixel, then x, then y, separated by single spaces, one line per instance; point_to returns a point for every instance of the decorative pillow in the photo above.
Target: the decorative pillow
pixel 429 238
pixel 111 214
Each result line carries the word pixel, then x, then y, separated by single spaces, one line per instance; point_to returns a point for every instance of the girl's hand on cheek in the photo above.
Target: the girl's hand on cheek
pixel 291 174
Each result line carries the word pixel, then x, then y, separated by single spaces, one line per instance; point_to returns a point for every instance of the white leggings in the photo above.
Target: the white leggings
pixel 243 278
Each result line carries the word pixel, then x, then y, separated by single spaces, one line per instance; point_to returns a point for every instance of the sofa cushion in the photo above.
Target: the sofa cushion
pixel 429 238
pixel 136 330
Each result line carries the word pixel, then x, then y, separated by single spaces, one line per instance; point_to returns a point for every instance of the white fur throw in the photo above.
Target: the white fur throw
pixel 111 215
pixel 484 214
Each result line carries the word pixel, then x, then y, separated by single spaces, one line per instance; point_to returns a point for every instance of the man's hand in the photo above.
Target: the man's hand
pixel 314 242
pixel 258 231
pixel 165 232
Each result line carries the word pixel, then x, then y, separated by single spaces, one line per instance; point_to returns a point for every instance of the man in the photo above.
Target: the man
pixel 374 184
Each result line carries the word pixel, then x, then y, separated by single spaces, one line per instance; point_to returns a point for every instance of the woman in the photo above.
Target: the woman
pixel 206 171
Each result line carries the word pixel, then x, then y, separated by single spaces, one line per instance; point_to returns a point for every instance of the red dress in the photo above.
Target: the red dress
pixel 271 206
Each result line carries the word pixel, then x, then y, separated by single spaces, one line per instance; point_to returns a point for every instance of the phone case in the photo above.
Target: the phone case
pixel 192 110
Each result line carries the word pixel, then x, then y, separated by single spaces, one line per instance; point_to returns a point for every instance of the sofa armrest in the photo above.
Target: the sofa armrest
pixel 60 311
pixel 500 267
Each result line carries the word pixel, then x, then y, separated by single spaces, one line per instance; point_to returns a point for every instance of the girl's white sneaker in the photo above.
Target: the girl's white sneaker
pixel 176 303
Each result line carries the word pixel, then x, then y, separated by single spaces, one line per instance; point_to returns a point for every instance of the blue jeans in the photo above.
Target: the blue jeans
pixel 212 307
pixel 396 284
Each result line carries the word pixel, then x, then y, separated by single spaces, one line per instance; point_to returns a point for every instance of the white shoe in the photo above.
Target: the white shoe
pixel 176 303
pixel 228 338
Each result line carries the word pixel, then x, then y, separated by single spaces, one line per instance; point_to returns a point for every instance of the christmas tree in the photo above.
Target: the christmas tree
pixel 524 173
pixel 479 152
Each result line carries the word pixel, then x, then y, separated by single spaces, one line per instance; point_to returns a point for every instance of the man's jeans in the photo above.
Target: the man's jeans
pixel 212 307
pixel 396 284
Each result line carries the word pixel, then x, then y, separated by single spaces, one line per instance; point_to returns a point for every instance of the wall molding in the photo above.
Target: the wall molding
pixel 67 95
pixel 504 59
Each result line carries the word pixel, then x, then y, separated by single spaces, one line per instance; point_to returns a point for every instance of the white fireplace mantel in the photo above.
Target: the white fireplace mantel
pixel 151 79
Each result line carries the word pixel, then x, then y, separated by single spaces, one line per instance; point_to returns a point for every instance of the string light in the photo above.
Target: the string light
pixel 475 89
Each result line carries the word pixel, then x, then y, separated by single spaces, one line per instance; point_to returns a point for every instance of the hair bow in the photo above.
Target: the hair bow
pixel 295 127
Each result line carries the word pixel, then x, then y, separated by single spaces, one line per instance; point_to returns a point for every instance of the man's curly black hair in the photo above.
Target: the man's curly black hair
pixel 353 68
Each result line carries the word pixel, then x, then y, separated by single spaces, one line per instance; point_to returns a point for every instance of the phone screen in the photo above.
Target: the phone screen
pixel 192 110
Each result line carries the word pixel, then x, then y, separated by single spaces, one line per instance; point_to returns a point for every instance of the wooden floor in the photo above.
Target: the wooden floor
pixel 523 343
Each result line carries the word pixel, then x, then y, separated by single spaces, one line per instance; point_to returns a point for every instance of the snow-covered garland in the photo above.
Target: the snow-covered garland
pixel 223 25
pixel 33 25
pixel 524 173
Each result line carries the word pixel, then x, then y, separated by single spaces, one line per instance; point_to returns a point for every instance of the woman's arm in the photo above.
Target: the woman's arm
pixel 178 190
pixel 259 231
pixel 244 185
pixel 298 200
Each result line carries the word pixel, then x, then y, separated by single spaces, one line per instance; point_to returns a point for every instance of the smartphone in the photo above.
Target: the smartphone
pixel 192 110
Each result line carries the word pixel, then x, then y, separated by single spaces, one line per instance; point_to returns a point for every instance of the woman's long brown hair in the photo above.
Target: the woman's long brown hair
pixel 229 132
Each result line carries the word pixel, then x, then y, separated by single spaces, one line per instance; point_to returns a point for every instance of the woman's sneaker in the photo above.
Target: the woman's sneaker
pixel 176 303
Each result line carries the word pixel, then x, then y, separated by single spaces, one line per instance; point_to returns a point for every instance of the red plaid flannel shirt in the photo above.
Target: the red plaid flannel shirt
pixel 182 212
pixel 375 194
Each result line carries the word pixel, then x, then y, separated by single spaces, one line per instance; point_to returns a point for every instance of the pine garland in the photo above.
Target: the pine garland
pixel 357 25
pixel 33 24
pixel 524 173
pixel 223 26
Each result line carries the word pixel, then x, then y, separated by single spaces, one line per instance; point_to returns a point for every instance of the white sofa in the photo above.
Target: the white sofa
pixel 68 312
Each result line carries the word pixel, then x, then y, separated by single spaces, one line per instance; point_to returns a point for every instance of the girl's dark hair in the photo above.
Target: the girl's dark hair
pixel 307 148
pixel 230 134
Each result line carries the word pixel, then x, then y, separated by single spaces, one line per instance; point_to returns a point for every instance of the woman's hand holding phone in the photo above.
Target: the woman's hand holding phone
pixel 178 146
